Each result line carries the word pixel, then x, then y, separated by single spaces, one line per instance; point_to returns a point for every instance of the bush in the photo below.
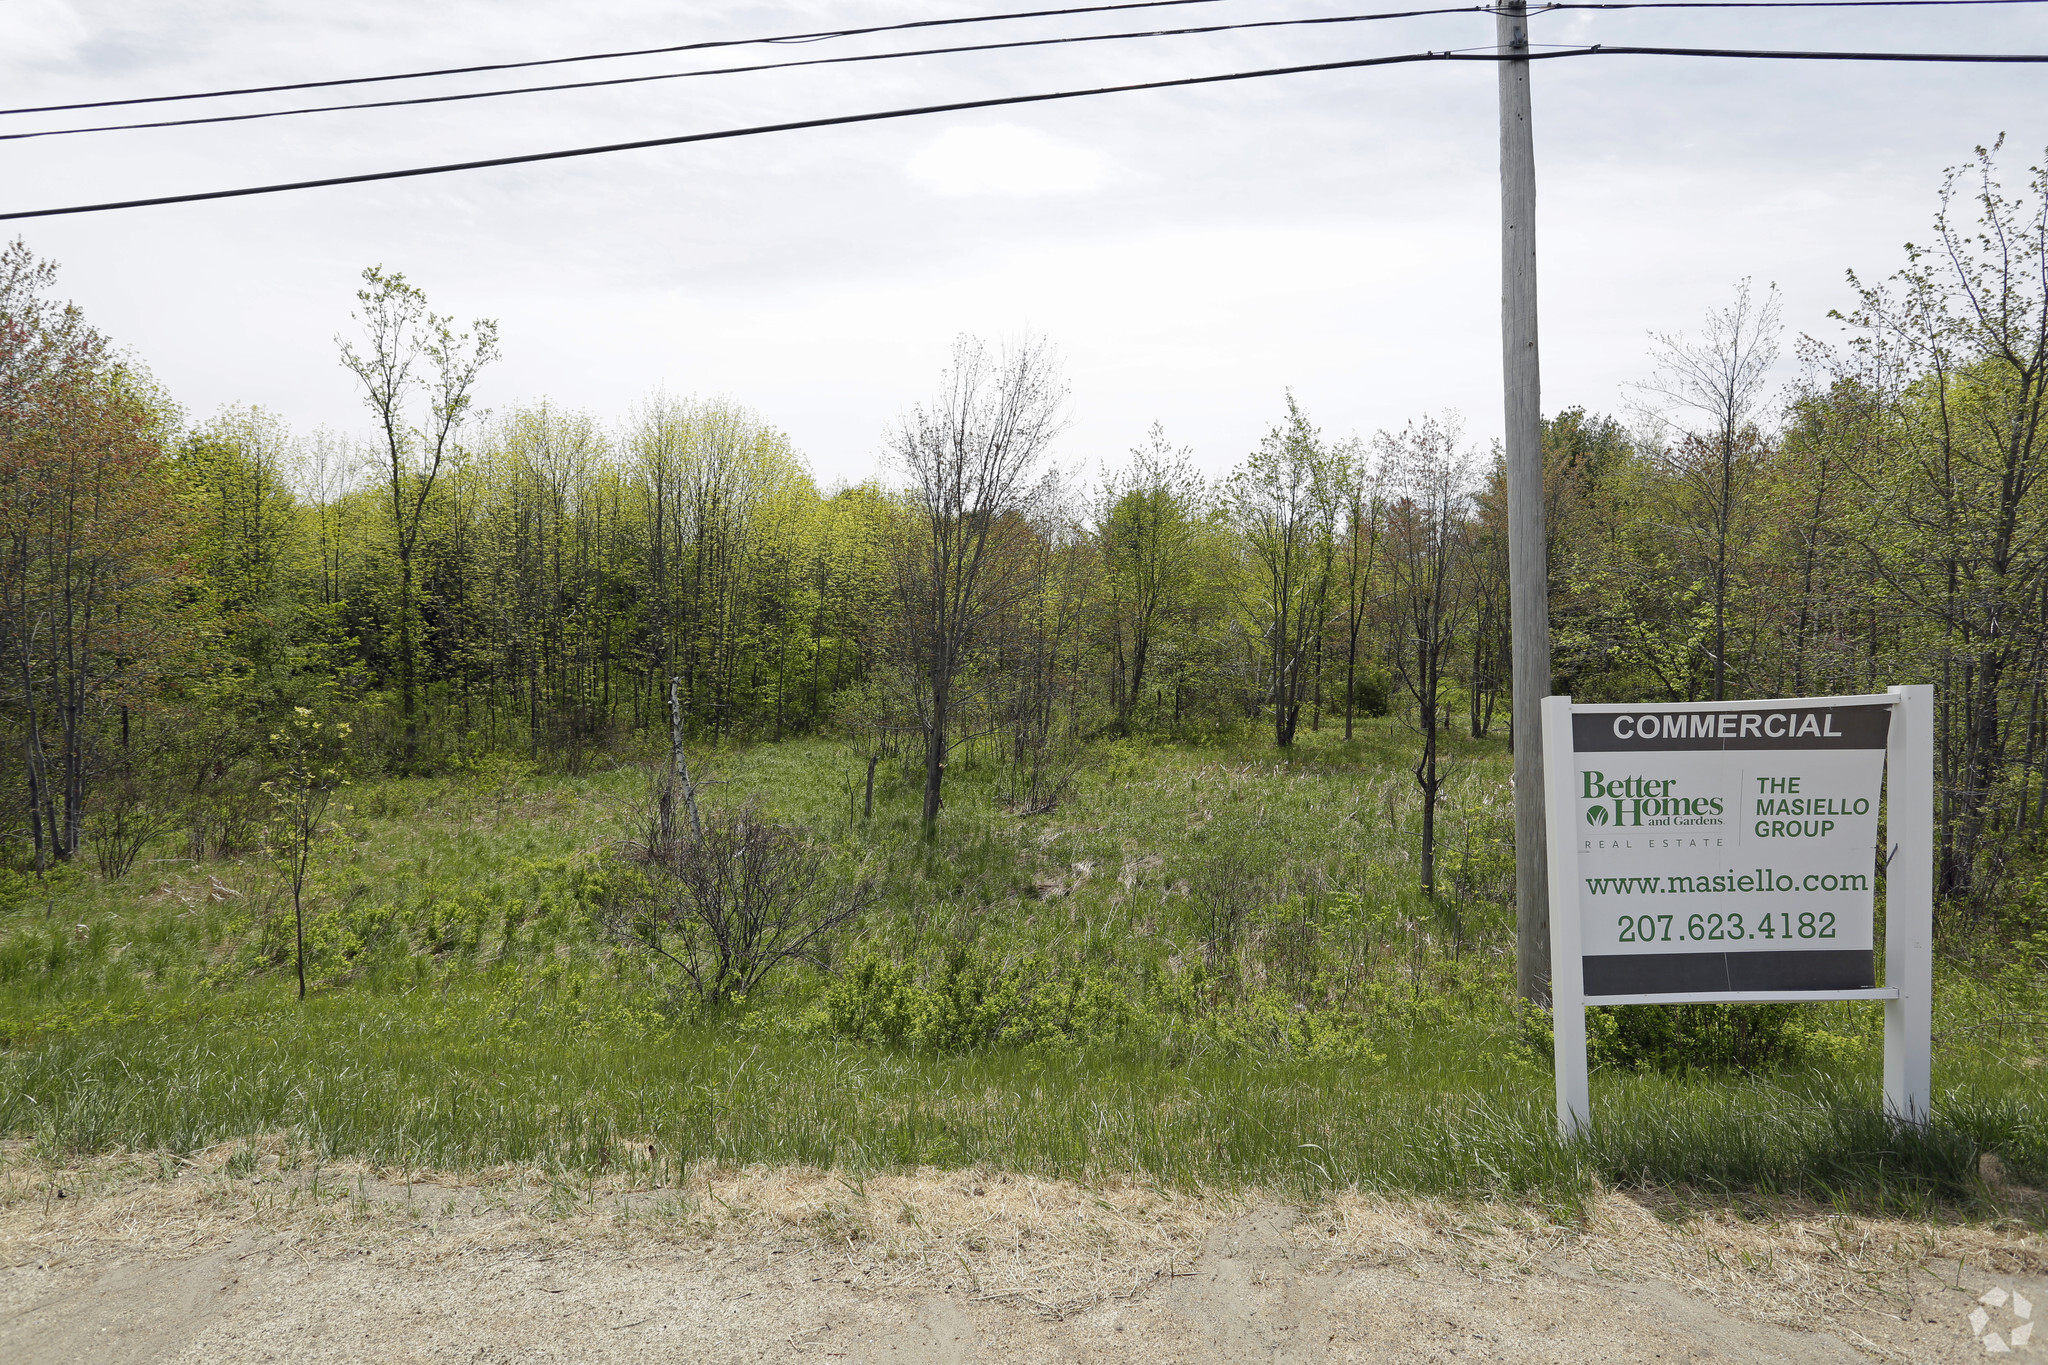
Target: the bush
pixel 1693 1037
pixel 1369 695
pixel 122 820
pixel 726 907
pixel 969 1003
pixel 1678 1038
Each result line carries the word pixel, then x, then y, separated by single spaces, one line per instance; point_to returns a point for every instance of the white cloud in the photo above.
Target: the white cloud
pixel 1192 253
pixel 1004 159
pixel 40 30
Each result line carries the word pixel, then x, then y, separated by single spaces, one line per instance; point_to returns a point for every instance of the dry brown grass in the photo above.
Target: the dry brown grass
pixel 1782 1261
pixel 1046 1245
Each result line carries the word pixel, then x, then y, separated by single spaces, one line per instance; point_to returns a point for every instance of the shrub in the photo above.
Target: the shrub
pixel 1225 887
pixel 1369 696
pixel 971 1002
pixel 1677 1038
pixel 968 1003
pixel 1694 1037
pixel 121 821
pixel 727 907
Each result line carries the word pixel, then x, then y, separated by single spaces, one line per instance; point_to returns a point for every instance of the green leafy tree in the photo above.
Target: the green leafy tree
pixel 408 352
pixel 1958 342
pixel 1284 502
pixel 1147 534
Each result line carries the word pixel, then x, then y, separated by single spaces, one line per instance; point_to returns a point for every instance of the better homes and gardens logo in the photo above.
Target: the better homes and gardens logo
pixel 1635 800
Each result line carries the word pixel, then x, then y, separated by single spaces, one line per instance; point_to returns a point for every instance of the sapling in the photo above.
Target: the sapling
pixel 310 759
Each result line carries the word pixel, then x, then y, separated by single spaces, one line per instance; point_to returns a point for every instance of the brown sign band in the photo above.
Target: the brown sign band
pixel 1664 730
pixel 1819 969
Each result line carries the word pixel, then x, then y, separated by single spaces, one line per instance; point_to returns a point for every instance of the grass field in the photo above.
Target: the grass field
pixel 1209 966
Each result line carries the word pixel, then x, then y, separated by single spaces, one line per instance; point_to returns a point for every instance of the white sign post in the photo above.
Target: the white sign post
pixel 1728 852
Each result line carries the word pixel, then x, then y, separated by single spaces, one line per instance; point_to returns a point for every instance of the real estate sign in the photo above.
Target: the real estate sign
pixel 1728 850
pixel 1731 852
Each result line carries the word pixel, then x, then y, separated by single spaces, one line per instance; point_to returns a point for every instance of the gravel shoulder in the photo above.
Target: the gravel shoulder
pixel 246 1255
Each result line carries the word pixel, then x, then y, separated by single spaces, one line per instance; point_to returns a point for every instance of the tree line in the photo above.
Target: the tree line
pixel 537 580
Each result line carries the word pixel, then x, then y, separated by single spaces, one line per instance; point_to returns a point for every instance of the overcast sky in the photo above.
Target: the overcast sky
pixel 1192 253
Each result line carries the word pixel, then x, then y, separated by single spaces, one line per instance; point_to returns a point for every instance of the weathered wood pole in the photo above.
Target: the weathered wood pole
pixel 1528 567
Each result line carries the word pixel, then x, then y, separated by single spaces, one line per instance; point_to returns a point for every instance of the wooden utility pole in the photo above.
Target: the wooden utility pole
pixel 1528 560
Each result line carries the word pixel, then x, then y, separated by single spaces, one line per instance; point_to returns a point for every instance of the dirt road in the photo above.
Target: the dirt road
pixel 149 1260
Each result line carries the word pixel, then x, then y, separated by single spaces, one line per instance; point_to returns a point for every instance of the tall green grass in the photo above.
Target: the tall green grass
pixel 452 1080
pixel 468 1012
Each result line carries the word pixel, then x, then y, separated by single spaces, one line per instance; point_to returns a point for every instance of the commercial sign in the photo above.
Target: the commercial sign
pixel 1728 850
pixel 1732 852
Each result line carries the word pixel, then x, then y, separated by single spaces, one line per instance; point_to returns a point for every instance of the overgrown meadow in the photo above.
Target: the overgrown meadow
pixel 1142 912
pixel 1208 966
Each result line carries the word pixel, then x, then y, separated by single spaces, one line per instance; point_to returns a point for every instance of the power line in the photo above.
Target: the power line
pixel 916 52
pixel 958 106
pixel 1772 4
pixel 1776 55
pixel 825 34
pixel 745 70
pixel 818 36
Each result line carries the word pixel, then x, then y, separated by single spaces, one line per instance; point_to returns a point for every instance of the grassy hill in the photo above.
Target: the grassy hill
pixel 1208 965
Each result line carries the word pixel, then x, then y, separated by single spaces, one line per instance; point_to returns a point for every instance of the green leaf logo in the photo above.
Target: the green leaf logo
pixel 1596 815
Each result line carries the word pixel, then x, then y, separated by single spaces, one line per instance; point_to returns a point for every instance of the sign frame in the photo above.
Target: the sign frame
pixel 1907 991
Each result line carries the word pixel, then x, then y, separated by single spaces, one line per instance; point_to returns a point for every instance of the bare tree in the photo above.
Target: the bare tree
pixel 1428 544
pixel 1723 376
pixel 325 469
pixel 1491 658
pixel 1362 506
pixel 970 461
pixel 410 349
pixel 1034 692
pixel 730 906
pixel 675 780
